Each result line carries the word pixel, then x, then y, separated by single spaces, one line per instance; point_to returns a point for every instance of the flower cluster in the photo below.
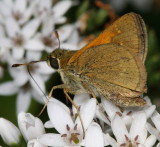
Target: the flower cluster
pixel 103 124
pixel 26 31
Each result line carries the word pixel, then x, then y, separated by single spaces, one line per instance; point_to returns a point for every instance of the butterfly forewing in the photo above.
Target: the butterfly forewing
pixel 129 31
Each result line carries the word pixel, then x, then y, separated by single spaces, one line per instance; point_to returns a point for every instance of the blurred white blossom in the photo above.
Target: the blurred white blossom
pixel 23 84
pixel 9 132
pixel 26 30
pixel 136 136
pixel 155 130
pixel 30 126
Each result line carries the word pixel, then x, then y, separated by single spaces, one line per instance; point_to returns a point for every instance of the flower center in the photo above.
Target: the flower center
pixel 18 40
pixel 72 136
pixel 48 40
pixel 17 15
pixel 128 142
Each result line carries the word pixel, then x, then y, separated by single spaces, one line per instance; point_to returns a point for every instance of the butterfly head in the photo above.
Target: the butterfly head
pixel 58 59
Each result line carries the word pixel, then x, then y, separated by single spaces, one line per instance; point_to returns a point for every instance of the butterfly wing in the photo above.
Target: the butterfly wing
pixel 111 64
pixel 129 31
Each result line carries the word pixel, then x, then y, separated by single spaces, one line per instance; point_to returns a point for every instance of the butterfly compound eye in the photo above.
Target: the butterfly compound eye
pixel 54 63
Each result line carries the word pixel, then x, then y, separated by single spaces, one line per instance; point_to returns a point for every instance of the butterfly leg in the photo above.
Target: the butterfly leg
pixel 50 95
pixel 77 108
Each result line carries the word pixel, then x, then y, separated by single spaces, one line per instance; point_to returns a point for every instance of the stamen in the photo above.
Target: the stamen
pixel 64 135
pixel 75 127
pixel 127 138
pixel 124 144
pixel 119 113
pixel 129 113
pixel 67 127
pixel 136 138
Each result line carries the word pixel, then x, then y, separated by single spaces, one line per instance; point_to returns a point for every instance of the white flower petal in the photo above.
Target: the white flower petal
pixel 12 27
pixel 138 127
pixel 5 42
pixel 68 46
pixel 150 141
pixel 34 143
pixel 110 108
pixel 158 145
pixel 20 75
pixel 9 3
pixel 34 45
pixel 26 16
pixel 18 53
pixel 23 101
pixel 149 111
pixel 101 115
pixel 8 88
pixel 74 38
pixel 156 119
pixel 2 31
pixel 5 9
pixel 153 131
pixel 48 26
pixel 52 140
pixel 65 31
pixel 33 56
pixel 80 99
pixel 87 112
pixel 48 124
pixel 40 82
pixel 30 28
pixel 148 100
pixel 111 141
pixel 94 136
pixel 20 5
pixel 61 120
pixel 61 104
pixel 9 132
pixel 44 68
pixel 30 126
pixel 39 97
pixel 44 5
pixel 57 9
pixel 119 129
pixel 60 20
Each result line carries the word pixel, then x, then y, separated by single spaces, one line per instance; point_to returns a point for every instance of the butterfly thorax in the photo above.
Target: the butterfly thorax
pixel 58 60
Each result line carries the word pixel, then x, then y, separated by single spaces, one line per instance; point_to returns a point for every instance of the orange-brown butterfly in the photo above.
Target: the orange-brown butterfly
pixel 111 66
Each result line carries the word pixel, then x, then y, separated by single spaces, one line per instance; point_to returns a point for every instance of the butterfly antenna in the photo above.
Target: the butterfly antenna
pixel 35 81
pixel 28 64
pixel 57 36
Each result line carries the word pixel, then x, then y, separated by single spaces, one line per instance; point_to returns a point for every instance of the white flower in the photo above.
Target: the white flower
pixel 20 10
pixel 30 126
pixel 24 85
pixel 156 121
pixel 21 39
pixel 68 35
pixel 128 114
pixel 94 136
pixel 54 12
pixel 9 132
pixel 136 136
pixel 71 133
